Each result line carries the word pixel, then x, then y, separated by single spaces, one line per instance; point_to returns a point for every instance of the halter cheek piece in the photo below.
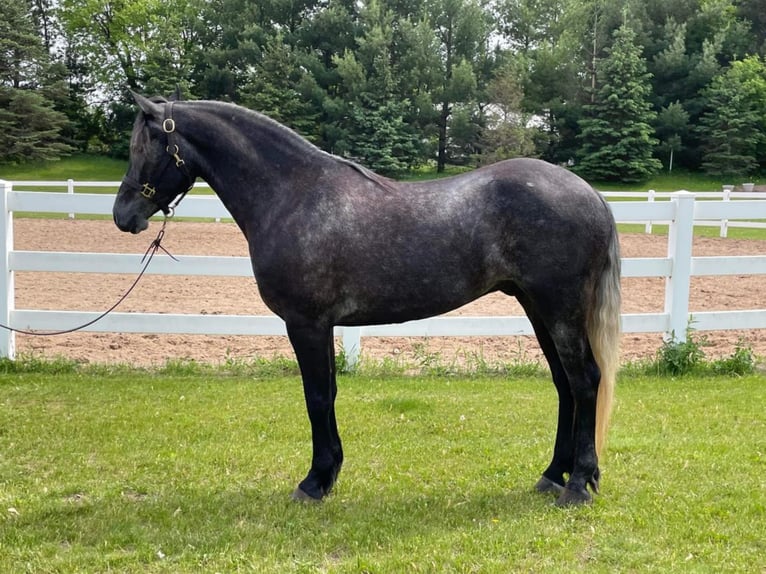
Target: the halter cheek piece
pixel 147 189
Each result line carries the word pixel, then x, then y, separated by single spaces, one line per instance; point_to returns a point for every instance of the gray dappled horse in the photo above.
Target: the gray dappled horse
pixel 332 243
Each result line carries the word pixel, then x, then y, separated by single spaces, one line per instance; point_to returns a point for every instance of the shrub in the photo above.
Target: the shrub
pixel 680 357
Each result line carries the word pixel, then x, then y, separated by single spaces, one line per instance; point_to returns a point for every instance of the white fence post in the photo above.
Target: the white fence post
pixel 352 345
pixel 70 190
pixel 680 236
pixel 649 197
pixel 7 296
pixel 727 189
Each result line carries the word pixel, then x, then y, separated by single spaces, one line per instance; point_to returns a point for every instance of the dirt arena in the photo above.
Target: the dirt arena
pixel 186 294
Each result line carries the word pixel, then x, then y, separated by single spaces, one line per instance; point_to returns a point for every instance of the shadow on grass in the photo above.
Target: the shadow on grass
pixel 123 526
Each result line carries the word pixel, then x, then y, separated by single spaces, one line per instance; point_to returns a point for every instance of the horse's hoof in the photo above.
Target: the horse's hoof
pixel 594 484
pixel 300 496
pixel 571 497
pixel 547 486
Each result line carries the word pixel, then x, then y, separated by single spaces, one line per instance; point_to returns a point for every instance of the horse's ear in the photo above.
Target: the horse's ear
pixel 176 95
pixel 147 106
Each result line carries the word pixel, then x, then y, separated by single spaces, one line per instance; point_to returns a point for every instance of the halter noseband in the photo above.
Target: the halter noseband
pixel 147 189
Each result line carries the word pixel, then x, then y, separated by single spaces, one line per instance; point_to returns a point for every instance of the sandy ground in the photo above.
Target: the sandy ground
pixel 179 294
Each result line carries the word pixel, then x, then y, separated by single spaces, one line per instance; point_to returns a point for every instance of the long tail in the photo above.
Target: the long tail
pixel 604 335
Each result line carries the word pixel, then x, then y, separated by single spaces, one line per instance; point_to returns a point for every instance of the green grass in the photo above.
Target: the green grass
pixel 162 472
pixel 85 167
pixel 81 167
pixel 676 181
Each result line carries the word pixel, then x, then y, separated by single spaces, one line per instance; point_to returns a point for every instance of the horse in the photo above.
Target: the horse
pixel 333 243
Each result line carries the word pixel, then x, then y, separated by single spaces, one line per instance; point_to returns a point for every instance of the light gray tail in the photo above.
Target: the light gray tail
pixel 604 335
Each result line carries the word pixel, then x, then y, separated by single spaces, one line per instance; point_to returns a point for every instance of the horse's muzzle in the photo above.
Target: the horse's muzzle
pixel 131 212
pixel 134 224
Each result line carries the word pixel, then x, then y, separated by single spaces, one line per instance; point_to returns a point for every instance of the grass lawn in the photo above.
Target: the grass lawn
pixel 141 472
pixel 86 167
pixel 676 181
pixel 82 167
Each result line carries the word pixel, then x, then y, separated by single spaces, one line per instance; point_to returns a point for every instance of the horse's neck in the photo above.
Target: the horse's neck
pixel 247 162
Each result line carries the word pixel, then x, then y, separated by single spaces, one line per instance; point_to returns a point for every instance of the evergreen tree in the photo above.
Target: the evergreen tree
pixel 672 128
pixel 30 128
pixel 368 116
pixel 732 127
pixel 616 132
pixel 280 87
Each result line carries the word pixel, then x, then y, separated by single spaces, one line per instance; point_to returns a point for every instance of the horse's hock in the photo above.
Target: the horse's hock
pixel 232 295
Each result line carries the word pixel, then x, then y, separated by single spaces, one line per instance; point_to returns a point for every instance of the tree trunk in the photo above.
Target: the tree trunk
pixel 441 162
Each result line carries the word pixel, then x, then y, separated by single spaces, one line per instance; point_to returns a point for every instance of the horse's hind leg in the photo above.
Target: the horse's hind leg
pixel 583 374
pixel 576 377
pixel 316 357
pixel 553 479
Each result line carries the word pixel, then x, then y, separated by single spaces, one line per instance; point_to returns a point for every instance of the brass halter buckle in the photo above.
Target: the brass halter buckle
pixel 173 151
pixel 148 191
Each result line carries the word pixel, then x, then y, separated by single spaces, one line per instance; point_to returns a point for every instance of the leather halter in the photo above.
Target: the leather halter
pixel 147 189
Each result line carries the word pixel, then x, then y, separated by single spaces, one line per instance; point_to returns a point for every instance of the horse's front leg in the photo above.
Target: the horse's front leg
pixel 314 349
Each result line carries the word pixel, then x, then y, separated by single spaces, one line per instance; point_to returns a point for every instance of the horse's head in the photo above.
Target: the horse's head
pixel 157 174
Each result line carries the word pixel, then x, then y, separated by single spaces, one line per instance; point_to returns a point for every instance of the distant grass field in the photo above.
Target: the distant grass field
pixel 675 181
pixel 172 472
pixel 84 167
pixel 81 167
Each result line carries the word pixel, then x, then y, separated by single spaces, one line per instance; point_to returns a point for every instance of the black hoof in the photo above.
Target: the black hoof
pixel 571 497
pixel 547 486
pixel 300 496
pixel 593 483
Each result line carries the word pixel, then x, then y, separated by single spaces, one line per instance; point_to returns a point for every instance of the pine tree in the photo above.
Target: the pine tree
pixel 733 124
pixel 616 131
pixel 30 128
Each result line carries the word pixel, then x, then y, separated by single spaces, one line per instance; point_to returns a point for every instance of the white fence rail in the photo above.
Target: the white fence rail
pixel 727 194
pixel 681 212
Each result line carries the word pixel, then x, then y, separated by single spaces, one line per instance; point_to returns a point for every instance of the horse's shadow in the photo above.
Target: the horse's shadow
pixel 257 519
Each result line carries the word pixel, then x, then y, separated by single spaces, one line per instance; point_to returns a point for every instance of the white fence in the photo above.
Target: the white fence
pixel 727 194
pixel 680 212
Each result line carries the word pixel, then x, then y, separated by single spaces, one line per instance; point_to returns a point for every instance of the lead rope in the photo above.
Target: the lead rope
pixel 151 251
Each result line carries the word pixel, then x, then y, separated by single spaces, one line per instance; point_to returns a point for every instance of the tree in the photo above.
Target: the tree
pixel 144 45
pixel 369 114
pixel 30 127
pixel 506 134
pixel 22 55
pixel 461 30
pixel 672 127
pixel 529 24
pixel 733 125
pixel 280 86
pixel 616 132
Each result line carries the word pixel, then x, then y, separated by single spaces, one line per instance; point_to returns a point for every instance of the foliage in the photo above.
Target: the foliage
pixel 672 127
pixel 734 122
pixel 444 81
pixel 506 134
pixel 30 126
pixel 680 357
pixel 741 362
pixel 617 141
